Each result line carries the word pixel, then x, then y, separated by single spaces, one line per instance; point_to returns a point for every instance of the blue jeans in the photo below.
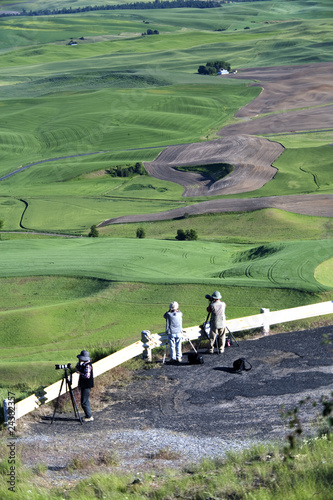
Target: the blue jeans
pixel 85 402
pixel 175 342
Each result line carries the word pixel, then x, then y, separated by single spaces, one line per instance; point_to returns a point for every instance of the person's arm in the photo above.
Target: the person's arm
pixel 167 325
pixel 86 372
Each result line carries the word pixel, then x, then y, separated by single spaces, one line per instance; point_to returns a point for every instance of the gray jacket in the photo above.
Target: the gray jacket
pixel 217 310
pixel 174 322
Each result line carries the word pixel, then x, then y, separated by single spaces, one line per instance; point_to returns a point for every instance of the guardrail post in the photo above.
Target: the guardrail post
pixel 147 352
pixel 265 320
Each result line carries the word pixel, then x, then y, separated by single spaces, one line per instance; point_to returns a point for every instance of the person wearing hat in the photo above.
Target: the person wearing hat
pixel 174 328
pixel 217 322
pixel 86 382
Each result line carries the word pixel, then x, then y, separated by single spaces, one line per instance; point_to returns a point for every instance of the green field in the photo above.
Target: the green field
pixel 117 98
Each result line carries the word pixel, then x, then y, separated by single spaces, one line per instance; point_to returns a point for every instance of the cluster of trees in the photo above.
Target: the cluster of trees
pixel 182 235
pixel 157 4
pixel 212 67
pixel 150 32
pixel 189 234
pixel 126 170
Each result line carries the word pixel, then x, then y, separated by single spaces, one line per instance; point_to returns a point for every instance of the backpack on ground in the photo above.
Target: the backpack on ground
pixel 241 364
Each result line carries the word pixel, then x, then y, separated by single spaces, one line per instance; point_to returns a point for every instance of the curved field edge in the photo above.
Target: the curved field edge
pixel 157 261
pixel 324 273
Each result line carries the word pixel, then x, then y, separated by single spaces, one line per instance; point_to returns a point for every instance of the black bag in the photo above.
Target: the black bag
pixel 240 365
pixel 194 358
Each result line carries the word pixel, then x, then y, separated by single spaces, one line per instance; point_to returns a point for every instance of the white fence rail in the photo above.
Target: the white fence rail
pixel 149 341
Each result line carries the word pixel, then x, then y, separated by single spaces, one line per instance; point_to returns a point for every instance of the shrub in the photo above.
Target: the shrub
pixel 93 232
pixel 140 233
pixel 180 235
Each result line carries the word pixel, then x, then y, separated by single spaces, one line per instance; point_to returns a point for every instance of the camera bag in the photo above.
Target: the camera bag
pixel 195 359
pixel 241 364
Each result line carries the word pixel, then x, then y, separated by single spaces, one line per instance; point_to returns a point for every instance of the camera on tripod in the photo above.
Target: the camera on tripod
pixel 63 367
pixel 209 297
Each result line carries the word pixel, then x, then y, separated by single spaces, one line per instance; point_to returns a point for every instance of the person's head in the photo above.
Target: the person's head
pixel 216 296
pixel 83 356
pixel 174 306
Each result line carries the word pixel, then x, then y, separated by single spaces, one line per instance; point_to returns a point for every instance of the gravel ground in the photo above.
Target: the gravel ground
pixel 174 415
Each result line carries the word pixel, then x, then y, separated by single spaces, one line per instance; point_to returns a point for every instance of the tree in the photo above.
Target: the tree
pixel 180 235
pixel 140 232
pixel 191 234
pixel 93 232
pixel 1 223
pixel 212 67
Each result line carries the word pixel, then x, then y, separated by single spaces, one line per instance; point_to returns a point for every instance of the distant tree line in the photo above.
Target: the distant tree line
pixel 126 170
pixel 157 4
pixel 212 67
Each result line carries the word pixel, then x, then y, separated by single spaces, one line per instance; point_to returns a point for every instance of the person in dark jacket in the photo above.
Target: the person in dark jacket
pixel 86 382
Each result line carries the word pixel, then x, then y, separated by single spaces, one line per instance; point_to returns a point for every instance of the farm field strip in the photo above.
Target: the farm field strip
pixel 157 261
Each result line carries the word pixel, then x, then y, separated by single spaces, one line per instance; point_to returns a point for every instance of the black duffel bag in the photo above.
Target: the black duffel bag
pixel 194 358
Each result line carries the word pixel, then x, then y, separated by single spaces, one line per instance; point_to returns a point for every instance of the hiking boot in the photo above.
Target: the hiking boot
pixel 89 419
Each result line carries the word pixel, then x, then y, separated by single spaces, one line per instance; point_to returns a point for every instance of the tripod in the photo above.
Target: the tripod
pixel 229 332
pixel 68 381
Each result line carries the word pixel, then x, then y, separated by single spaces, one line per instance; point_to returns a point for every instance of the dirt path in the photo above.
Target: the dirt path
pixel 320 205
pixel 195 411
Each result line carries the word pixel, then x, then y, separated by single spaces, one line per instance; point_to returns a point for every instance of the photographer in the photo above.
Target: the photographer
pixel 217 322
pixel 86 382
pixel 174 327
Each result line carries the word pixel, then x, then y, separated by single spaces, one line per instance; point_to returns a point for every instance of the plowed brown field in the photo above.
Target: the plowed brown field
pixel 297 98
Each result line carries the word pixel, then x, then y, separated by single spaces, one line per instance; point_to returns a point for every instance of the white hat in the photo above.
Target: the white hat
pixel 174 306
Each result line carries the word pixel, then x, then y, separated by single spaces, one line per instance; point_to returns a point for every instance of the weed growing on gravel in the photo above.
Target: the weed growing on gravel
pixel 39 469
pixel 165 454
pixel 108 458
pixel 79 462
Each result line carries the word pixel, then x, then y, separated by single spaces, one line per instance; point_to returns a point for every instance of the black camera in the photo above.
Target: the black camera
pixel 63 367
pixel 209 297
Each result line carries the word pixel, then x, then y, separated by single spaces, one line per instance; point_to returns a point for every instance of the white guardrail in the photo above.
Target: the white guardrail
pixel 151 340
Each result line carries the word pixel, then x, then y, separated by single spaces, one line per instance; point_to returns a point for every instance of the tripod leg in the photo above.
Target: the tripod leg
pixel 165 351
pixel 57 402
pixel 233 338
pixel 75 408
